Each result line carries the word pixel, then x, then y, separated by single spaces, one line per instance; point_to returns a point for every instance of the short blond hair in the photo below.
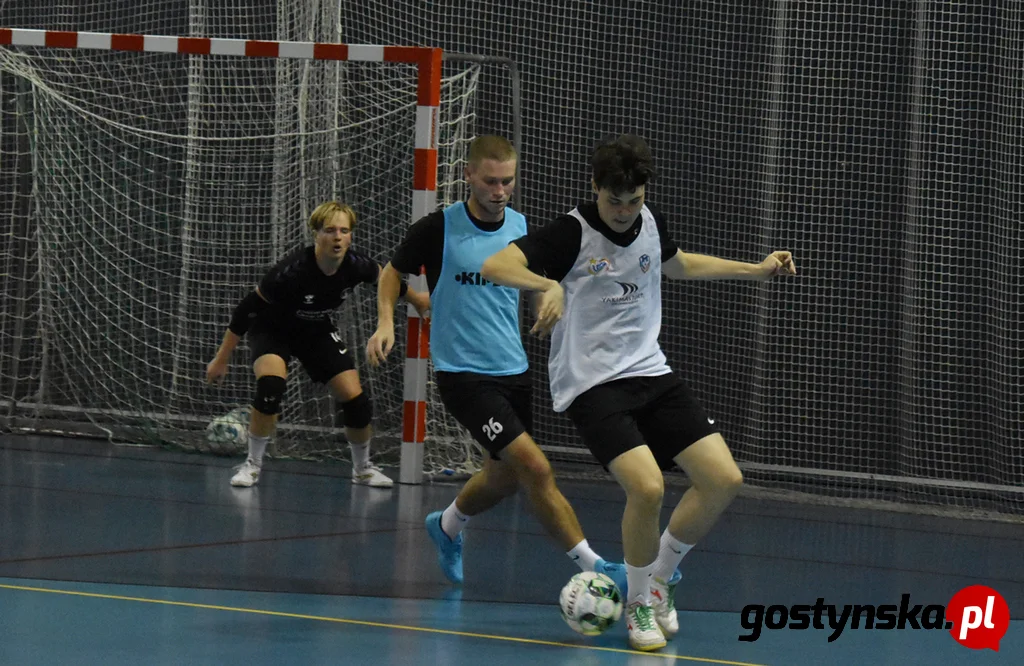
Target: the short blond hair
pixel 491 147
pixel 326 211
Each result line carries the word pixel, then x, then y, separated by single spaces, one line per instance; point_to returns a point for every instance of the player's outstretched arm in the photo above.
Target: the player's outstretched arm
pixel 244 312
pixel 686 266
pixel 509 267
pixel 389 286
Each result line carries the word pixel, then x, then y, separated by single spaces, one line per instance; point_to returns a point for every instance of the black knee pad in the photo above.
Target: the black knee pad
pixel 357 412
pixel 269 392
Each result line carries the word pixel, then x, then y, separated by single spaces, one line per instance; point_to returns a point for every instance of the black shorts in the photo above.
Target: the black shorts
pixel 321 350
pixel 661 412
pixel 494 409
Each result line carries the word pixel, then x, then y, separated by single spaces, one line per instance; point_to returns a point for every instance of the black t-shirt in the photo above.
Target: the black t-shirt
pixel 552 250
pixel 300 293
pixel 423 245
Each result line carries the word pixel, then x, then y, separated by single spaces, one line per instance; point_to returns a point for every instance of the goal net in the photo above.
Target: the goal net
pixel 151 190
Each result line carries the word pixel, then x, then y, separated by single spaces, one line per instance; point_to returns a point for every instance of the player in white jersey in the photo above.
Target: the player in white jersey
pixel 598 270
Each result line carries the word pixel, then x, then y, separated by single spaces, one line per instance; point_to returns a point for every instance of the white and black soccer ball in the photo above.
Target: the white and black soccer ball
pixel 229 434
pixel 590 603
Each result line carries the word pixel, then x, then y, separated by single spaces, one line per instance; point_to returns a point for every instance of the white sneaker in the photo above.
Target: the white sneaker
pixel 644 632
pixel 663 601
pixel 246 476
pixel 372 476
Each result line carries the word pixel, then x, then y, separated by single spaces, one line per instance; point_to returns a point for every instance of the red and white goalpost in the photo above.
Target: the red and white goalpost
pixel 184 166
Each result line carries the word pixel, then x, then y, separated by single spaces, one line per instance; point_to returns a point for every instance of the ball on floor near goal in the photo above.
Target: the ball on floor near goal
pixel 590 603
pixel 228 434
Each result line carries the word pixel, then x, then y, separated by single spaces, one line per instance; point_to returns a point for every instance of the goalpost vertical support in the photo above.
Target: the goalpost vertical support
pixel 424 201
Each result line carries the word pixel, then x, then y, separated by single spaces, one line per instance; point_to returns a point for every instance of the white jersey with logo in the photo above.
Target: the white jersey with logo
pixel 612 318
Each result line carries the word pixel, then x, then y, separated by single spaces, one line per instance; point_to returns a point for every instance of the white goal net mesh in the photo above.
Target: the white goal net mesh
pixel 151 191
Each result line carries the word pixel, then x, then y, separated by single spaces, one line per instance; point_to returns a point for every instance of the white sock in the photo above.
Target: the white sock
pixel 257 447
pixel 638 579
pixel 584 556
pixel 360 455
pixel 670 554
pixel 453 520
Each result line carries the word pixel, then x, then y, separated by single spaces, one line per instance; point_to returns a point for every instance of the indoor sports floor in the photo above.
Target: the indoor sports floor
pixel 128 555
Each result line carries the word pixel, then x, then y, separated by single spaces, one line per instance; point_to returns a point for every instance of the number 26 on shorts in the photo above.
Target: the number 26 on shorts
pixel 492 429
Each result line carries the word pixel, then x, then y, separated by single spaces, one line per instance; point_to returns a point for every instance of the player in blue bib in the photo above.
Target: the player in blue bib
pixel 477 350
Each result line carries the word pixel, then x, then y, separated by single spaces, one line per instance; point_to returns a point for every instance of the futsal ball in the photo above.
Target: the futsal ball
pixel 227 434
pixel 590 603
